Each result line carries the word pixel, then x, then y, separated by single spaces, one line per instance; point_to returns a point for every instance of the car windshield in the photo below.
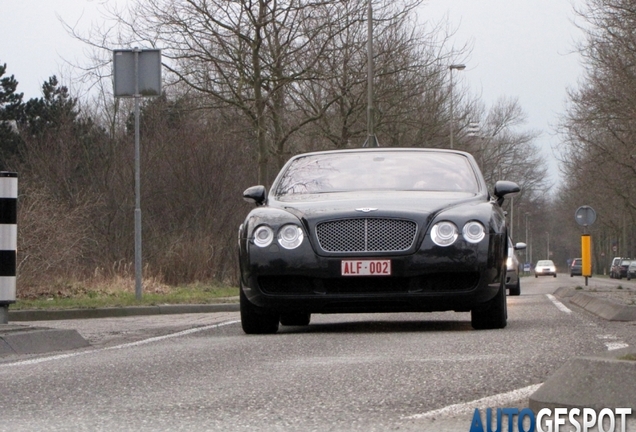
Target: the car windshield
pixel 545 263
pixel 625 262
pixel 378 171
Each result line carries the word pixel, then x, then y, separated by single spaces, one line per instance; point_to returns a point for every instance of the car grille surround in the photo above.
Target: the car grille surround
pixel 366 235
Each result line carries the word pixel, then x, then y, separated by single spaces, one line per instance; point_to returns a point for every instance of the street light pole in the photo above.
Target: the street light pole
pixel 452 120
pixel 371 141
pixel 512 217
pixel 548 257
pixel 527 246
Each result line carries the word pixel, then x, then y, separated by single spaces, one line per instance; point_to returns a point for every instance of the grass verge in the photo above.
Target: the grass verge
pixel 631 357
pixel 113 297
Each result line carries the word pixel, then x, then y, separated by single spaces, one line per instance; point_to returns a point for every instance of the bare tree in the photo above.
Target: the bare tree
pixel 245 54
pixel 599 125
pixel 504 149
pixel 598 128
pixel 410 61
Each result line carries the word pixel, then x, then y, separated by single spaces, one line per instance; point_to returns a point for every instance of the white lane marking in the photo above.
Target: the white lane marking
pixel 558 304
pixel 615 344
pixel 611 346
pixel 126 345
pixel 501 399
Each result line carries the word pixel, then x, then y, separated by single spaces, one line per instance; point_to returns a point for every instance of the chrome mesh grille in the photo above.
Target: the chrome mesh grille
pixel 366 235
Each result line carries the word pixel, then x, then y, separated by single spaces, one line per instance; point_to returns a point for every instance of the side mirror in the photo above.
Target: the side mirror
pixel 255 194
pixel 503 188
pixel 520 246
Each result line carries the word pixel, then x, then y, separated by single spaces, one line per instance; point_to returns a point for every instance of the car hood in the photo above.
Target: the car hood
pixel 409 204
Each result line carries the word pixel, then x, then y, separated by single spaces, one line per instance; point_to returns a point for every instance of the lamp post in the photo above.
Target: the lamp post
pixel 526 229
pixel 372 140
pixel 451 67
pixel 548 257
pixel 527 245
pixel 512 217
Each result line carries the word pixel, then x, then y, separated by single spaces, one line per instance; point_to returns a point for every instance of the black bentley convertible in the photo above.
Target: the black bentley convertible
pixel 374 230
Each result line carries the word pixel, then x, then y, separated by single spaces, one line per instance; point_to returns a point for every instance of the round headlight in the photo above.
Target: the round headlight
pixel 263 236
pixel 290 236
pixel 444 233
pixel 474 232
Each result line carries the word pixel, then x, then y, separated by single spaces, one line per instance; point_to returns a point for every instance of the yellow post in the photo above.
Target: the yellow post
pixel 586 255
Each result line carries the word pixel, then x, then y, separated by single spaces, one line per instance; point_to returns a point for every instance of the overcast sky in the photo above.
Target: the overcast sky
pixel 34 42
pixel 521 49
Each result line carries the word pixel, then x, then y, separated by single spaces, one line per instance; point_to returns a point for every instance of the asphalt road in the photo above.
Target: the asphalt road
pixel 380 372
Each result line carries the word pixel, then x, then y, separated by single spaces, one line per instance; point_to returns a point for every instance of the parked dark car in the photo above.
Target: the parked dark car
pixel 513 268
pixel 374 230
pixel 620 270
pixel 576 268
pixel 631 270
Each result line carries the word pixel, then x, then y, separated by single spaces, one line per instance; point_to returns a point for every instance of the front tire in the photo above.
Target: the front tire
pixel 516 290
pixel 255 320
pixel 492 314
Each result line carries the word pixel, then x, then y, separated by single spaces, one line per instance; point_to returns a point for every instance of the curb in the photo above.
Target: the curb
pixel 38 340
pixel 65 314
pixel 23 339
pixel 608 309
pixel 589 382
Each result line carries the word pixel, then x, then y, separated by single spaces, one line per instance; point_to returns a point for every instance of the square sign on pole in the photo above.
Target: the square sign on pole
pixel 149 64
pixel 137 74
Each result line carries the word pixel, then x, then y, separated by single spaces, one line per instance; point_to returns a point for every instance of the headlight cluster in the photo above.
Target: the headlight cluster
pixel 289 236
pixel 445 233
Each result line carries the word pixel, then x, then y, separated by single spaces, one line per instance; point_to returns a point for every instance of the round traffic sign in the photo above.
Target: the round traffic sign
pixel 585 215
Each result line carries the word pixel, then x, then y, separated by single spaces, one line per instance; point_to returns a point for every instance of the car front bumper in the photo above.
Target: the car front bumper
pixel 434 278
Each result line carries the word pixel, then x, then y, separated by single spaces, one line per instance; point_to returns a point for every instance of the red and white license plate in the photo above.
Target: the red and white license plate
pixel 365 268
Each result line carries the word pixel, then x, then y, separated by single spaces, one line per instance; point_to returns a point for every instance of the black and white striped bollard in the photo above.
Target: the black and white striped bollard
pixel 8 241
